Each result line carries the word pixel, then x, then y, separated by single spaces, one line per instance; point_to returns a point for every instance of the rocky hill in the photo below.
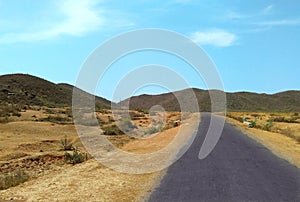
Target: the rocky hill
pixel 30 90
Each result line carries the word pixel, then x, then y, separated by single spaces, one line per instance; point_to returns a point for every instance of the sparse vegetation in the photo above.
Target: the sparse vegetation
pixel 57 119
pixel 126 125
pixel 66 144
pixel 76 157
pixel 287 124
pixel 144 111
pixel 152 130
pixel 268 125
pixel 285 119
pixel 112 130
pixel 12 179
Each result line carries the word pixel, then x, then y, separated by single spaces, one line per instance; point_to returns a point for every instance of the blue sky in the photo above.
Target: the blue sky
pixel 254 44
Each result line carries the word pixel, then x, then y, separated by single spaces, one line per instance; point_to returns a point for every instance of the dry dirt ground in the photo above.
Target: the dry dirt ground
pixel 281 137
pixel 34 147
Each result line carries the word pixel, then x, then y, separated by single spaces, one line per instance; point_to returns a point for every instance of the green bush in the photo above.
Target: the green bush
pixel 268 126
pixel 253 123
pixel 76 157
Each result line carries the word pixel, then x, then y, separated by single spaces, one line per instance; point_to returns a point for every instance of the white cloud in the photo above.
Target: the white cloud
pixel 77 19
pixel 216 37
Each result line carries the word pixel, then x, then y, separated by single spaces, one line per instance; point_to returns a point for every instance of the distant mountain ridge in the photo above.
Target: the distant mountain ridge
pixel 288 101
pixel 32 90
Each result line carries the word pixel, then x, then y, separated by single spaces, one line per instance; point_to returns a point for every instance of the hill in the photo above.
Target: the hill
pixel 30 90
pixel 288 101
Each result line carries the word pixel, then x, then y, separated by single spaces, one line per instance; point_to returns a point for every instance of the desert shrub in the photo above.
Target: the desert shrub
pixel 92 121
pixel 136 115
pixel 10 110
pixel 69 113
pixel 253 123
pixel 111 119
pixel 268 125
pixel 4 119
pixel 66 144
pixel 240 119
pixel 16 113
pixel 3 113
pixel 12 179
pixel 126 125
pixel 255 115
pixel 112 130
pixel 56 119
pixel 144 111
pixel 296 114
pixel 284 119
pixel 50 111
pixel 152 130
pixel 75 157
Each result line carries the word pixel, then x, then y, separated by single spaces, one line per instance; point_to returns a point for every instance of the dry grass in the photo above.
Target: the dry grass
pixel 282 139
pixel 284 123
pixel 36 148
pixel 12 179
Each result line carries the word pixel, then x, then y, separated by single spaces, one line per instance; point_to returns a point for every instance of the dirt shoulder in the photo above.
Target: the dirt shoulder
pixel 91 181
pixel 281 145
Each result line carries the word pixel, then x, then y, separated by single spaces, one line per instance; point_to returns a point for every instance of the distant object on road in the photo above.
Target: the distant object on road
pixel 249 124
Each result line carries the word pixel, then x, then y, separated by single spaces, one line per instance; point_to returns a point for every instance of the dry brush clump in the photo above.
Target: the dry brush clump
pixel 76 156
pixel 12 179
pixel 66 144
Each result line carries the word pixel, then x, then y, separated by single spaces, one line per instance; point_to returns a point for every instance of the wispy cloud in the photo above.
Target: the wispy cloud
pixel 268 9
pixel 78 18
pixel 232 15
pixel 215 37
pixel 279 22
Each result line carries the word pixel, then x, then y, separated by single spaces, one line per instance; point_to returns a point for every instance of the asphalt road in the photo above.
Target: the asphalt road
pixel 238 169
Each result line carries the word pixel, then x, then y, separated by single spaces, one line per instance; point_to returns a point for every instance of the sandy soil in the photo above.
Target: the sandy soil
pixel 90 181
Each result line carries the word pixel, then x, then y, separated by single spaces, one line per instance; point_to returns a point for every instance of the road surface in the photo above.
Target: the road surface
pixel 238 169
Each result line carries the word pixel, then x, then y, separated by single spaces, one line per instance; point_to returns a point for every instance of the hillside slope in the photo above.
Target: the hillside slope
pixel 288 101
pixel 30 90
